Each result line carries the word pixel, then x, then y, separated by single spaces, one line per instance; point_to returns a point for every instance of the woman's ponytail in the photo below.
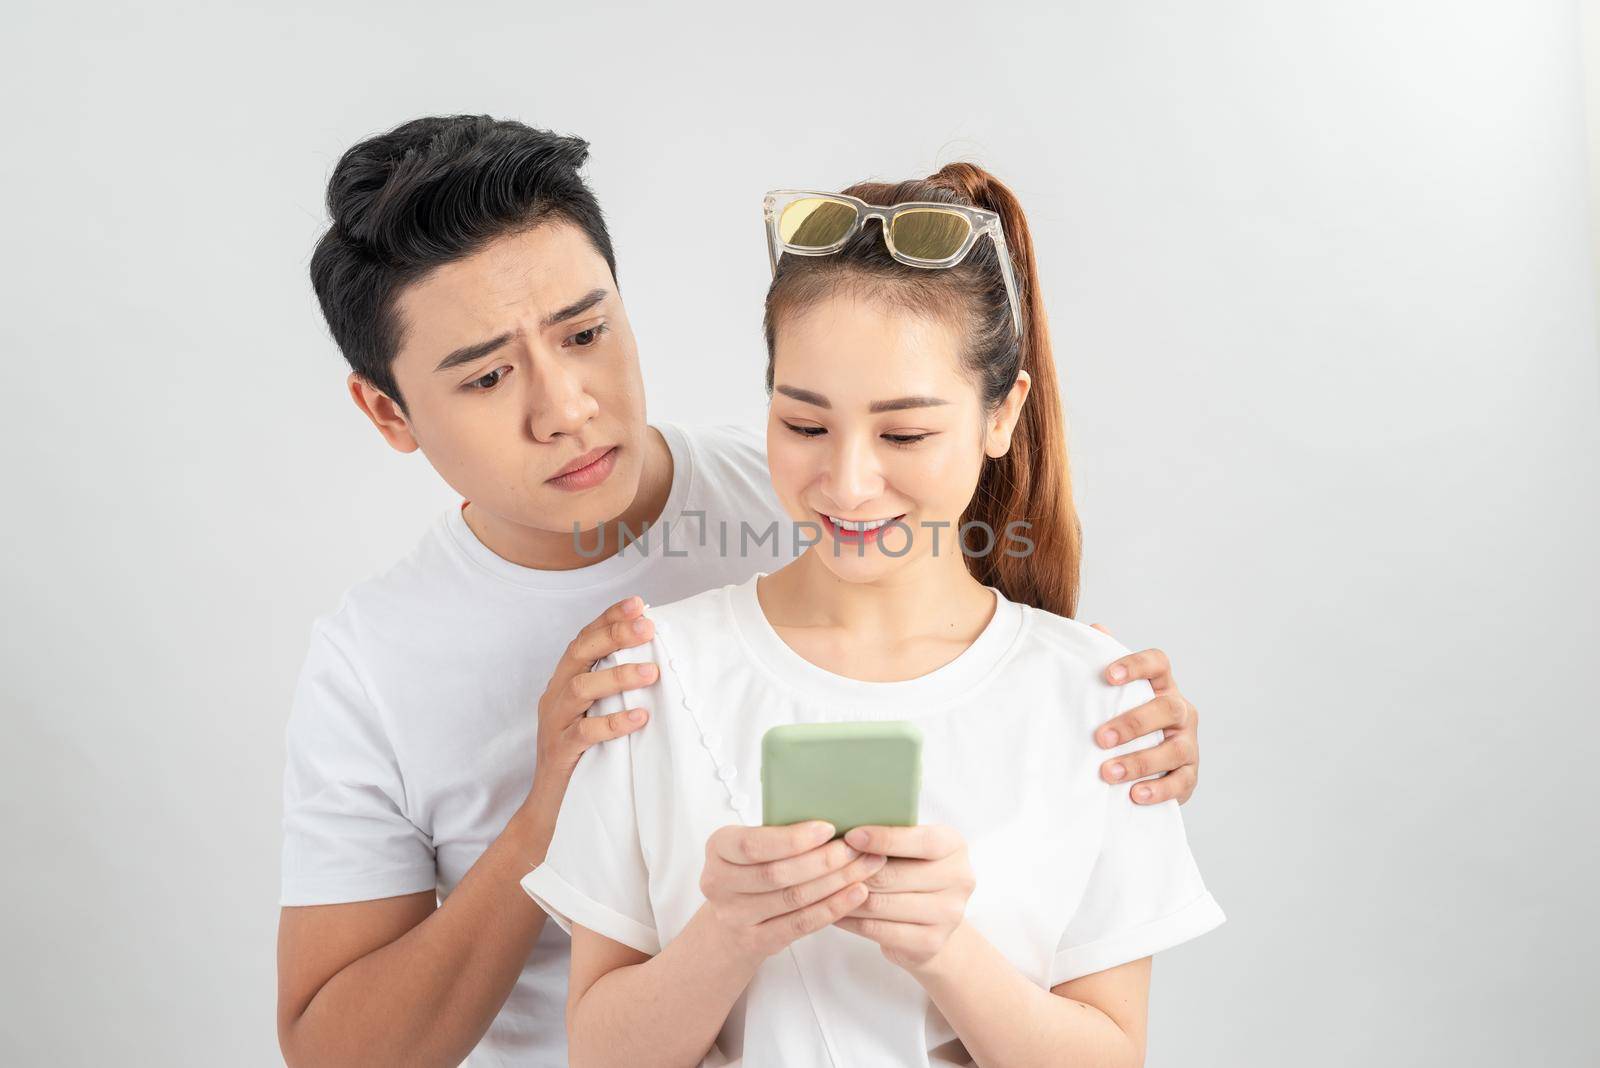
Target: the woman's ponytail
pixel 1024 498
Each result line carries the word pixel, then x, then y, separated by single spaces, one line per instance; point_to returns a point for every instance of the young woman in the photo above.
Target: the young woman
pixel 915 427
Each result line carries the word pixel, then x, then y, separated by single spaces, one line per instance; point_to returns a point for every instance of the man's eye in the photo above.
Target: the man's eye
pixel 585 338
pixel 490 380
pixel 806 431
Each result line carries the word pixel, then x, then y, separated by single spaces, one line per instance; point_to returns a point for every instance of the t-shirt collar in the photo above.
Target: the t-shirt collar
pixel 939 687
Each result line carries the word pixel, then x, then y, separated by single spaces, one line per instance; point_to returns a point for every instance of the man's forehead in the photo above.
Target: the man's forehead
pixel 553 262
pixel 524 275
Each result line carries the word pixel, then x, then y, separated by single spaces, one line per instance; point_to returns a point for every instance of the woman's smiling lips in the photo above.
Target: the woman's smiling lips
pixel 862 530
pixel 587 471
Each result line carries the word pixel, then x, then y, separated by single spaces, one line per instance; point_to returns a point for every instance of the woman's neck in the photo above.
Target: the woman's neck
pixel 902 626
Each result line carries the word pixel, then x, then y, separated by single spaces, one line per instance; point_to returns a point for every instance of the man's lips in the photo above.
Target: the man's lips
pixel 590 469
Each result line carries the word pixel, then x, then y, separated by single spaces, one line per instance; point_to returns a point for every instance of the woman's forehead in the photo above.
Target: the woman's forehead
pixel 856 351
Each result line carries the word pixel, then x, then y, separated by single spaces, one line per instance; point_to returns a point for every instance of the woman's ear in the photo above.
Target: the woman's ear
pixel 386 415
pixel 1004 420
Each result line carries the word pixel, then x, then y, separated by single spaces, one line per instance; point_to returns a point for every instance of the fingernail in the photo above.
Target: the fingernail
pixel 858 838
pixel 638 626
pixel 850 854
pixel 1116 771
pixel 648 672
pixel 1118 673
pixel 878 861
pixel 1142 793
pixel 636 716
pixel 1108 739
pixel 823 831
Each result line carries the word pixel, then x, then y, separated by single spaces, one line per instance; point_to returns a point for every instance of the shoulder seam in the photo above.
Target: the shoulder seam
pixel 377 714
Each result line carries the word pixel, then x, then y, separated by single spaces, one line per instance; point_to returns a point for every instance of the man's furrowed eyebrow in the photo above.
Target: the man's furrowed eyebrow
pixel 468 353
pixel 804 396
pixel 575 309
pixel 900 404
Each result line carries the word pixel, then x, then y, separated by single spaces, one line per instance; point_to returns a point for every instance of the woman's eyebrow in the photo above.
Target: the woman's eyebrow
pixel 804 396
pixel 902 403
pixel 899 404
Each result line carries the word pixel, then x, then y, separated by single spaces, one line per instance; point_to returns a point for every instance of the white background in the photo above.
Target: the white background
pixel 1320 284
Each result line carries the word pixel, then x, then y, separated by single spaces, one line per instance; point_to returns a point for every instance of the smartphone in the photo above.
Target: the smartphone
pixel 850 774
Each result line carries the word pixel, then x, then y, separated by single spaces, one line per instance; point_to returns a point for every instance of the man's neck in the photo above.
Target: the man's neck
pixel 546 550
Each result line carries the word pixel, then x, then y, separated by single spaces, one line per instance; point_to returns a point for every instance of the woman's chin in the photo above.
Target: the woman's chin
pixel 860 564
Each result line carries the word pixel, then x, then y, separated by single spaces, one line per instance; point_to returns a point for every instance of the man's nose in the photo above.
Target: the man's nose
pixel 560 404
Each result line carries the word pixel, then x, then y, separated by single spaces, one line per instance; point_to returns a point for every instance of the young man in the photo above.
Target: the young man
pixel 469 280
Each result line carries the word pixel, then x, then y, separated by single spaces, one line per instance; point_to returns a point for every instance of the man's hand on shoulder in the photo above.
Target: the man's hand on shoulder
pixel 565 728
pixel 1177 759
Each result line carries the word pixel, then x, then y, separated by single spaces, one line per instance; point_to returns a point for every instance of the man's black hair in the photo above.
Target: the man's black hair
pixel 428 193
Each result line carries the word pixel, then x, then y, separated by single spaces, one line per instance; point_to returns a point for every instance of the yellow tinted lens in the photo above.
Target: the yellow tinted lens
pixel 928 234
pixel 815 222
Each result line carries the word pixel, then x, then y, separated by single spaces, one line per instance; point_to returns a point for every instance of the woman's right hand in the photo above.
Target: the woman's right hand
pixel 765 887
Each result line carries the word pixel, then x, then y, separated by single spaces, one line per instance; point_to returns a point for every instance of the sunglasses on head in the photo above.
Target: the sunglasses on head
pixel 918 233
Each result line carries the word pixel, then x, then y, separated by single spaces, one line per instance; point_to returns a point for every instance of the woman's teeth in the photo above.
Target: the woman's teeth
pixel 857 527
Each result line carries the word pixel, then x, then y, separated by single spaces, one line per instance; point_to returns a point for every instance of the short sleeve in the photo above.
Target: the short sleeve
pixel 346 836
pixel 594 873
pixel 1144 893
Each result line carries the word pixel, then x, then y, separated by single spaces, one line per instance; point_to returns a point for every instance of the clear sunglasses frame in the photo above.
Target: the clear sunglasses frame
pixel 980 221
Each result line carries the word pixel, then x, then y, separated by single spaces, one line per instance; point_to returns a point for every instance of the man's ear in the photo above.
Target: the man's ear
pixel 1004 420
pixel 385 414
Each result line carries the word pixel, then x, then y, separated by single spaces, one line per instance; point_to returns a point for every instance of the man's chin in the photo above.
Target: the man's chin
pixel 562 514
pixel 583 522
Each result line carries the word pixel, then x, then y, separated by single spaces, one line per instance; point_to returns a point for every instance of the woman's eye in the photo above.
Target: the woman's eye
pixel 585 338
pixel 490 380
pixel 806 431
pixel 904 439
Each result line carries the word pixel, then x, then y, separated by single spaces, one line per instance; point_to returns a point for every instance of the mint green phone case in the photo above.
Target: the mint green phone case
pixel 850 774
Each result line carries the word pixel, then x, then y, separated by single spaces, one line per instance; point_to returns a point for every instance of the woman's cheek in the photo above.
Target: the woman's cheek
pixel 941 480
pixel 789 473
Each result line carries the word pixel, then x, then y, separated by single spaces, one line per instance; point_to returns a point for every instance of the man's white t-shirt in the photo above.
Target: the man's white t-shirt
pixel 1072 878
pixel 411 743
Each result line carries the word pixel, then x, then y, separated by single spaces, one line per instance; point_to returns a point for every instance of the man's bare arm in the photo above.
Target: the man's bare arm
pixel 399 980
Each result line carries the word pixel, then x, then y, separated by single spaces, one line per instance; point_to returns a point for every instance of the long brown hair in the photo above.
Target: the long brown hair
pixel 1031 483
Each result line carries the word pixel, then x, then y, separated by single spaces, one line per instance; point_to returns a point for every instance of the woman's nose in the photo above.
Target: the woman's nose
pixel 558 402
pixel 853 475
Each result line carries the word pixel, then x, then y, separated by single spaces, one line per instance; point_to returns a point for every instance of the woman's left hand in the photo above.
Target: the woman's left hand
pixel 919 898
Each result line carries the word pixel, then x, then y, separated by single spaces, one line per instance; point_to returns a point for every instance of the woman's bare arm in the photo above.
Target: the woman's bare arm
pixel 764 888
pixel 628 1009
pixel 1097 1021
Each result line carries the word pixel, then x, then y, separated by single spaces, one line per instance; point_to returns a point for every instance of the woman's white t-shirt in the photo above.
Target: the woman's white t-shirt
pixel 1072 877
